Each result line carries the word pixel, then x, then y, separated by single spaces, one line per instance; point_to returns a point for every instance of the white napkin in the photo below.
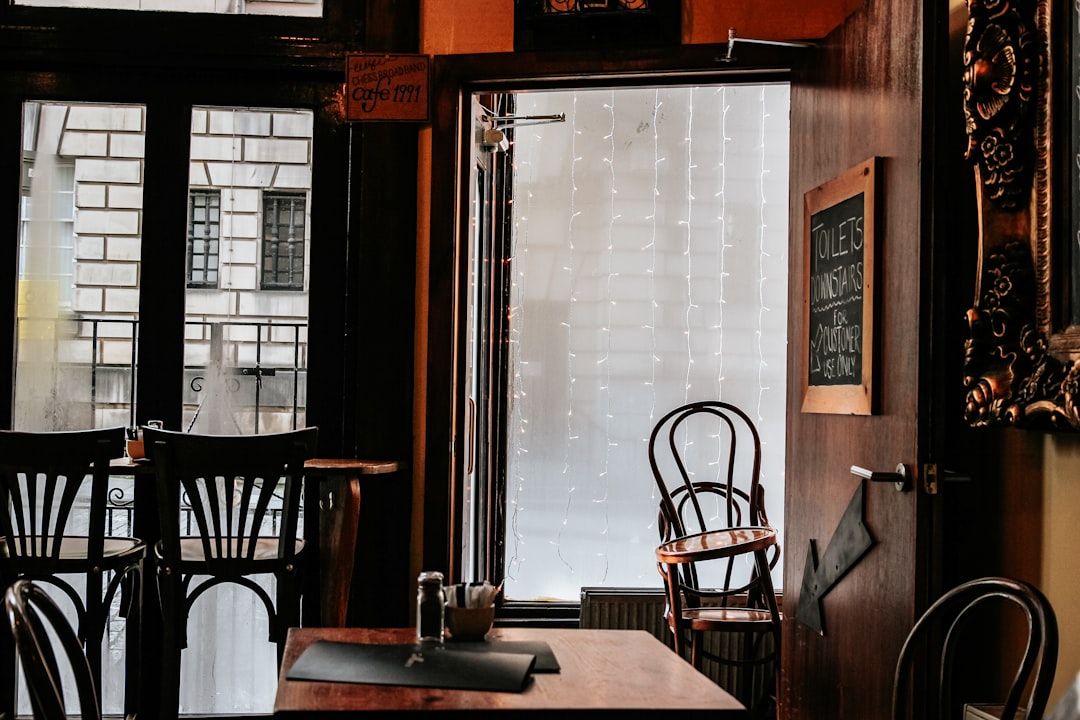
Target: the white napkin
pixel 471 595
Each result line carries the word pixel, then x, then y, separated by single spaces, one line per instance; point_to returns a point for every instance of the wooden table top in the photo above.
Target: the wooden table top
pixel 343 466
pixel 604 673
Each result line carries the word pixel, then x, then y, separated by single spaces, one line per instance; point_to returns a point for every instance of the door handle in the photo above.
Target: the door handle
pixel 898 477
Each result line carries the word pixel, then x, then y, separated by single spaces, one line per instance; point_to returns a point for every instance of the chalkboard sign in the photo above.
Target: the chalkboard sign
pixel 838 298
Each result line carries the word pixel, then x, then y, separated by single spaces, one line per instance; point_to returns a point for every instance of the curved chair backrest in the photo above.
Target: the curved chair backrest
pixel 712 448
pixel 32 616
pixel 944 619
pixel 41 476
pixel 232 484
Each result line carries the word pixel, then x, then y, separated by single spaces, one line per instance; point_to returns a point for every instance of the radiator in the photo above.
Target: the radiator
pixel 643 609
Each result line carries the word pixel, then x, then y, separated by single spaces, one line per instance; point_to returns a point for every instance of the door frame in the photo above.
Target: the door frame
pixel 437 491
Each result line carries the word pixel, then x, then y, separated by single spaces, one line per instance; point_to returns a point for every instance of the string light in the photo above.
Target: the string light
pixel 571 435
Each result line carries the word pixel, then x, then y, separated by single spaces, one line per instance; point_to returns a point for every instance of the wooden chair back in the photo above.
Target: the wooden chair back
pixel 42 477
pixel 237 489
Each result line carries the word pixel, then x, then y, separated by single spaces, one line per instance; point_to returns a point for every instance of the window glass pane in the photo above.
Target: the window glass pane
pixel 649 269
pixel 78 301
pixel 245 353
pixel 246 338
pixel 79 251
pixel 297 8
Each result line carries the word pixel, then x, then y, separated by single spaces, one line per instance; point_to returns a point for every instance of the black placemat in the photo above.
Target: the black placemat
pixel 545 658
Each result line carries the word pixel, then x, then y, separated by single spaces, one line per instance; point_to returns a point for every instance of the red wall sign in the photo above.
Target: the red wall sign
pixel 386 87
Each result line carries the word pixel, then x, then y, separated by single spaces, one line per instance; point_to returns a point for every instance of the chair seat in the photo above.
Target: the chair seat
pixel 266 550
pixel 74 548
pixel 715 544
pixel 728 618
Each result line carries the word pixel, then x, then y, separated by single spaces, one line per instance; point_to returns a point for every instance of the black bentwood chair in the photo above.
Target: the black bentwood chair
pixel 242 495
pixel 717 549
pixel 54 490
pixel 935 643
pixel 35 620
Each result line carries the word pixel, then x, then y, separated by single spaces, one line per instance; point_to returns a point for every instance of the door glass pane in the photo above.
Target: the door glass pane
pixel 79 249
pixel 80 219
pixel 245 350
pixel 648 269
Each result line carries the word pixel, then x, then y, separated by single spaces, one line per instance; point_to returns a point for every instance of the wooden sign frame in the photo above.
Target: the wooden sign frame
pixel 832 228
pixel 383 87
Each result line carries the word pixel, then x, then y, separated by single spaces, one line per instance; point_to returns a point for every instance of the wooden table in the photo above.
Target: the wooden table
pixel 339 514
pixel 622 674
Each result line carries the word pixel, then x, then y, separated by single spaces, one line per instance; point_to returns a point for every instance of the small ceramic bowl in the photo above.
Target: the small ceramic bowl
pixel 135 448
pixel 469 623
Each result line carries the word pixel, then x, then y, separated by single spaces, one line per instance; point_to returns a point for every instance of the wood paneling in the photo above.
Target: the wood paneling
pixel 859 96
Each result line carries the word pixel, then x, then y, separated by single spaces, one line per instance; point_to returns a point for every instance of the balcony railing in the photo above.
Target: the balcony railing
pixel 257 368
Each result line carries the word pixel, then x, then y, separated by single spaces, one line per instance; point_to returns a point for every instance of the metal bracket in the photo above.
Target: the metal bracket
pixel 930 479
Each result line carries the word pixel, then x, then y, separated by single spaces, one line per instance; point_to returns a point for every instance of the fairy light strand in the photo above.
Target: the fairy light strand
pixel 523 173
pixel 571 435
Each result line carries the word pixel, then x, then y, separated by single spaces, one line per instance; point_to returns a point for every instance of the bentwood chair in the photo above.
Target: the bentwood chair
pixel 936 643
pixel 716 547
pixel 36 621
pixel 54 489
pixel 240 498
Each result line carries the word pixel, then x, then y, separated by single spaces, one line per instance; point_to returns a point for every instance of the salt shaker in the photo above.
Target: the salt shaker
pixel 429 607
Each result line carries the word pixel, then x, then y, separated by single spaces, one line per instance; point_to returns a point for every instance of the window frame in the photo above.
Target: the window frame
pixel 61 36
pixel 448 412
pixel 270 265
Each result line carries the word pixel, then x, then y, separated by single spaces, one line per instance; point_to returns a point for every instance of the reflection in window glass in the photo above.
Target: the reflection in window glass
pixel 79 248
pixel 80 219
pixel 296 8
pixel 245 352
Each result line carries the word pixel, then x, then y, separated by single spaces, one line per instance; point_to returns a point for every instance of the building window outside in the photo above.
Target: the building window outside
pixel 204 238
pixel 283 241
pixel 53 220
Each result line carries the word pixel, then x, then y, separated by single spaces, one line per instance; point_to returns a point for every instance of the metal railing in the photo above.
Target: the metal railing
pixel 95 361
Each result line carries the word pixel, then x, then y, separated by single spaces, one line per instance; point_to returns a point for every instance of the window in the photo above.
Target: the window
pixel 283 241
pixel 304 8
pixel 50 257
pixel 204 236
pixel 81 260
pixel 625 261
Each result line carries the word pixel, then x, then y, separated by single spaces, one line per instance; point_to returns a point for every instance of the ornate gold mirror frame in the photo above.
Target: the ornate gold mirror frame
pixel 1019 365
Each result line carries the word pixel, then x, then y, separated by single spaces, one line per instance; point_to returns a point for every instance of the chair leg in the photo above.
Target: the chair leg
pixel 131 607
pixel 288 610
pixel 8 678
pixel 696 658
pixel 173 634
pixel 93 631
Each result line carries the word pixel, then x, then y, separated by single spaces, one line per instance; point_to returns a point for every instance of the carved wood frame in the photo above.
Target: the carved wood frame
pixel 1014 370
